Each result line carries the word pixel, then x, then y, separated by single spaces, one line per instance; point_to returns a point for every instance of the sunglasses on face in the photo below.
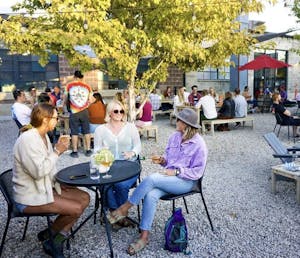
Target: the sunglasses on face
pixel 119 111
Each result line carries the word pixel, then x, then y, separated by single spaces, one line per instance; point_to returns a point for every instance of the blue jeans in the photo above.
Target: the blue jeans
pixel 118 193
pixel 151 189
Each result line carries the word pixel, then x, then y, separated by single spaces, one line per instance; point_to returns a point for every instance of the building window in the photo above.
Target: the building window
pixel 210 73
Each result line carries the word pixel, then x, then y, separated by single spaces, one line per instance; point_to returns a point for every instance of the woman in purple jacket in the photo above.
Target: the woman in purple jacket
pixel 184 162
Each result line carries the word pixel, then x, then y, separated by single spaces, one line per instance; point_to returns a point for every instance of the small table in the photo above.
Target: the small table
pixel 120 170
pixel 282 171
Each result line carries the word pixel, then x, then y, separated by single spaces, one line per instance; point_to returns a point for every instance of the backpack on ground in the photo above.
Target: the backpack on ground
pixel 176 235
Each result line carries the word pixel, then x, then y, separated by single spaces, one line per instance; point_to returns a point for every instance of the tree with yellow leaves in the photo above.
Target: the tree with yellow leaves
pixel 190 34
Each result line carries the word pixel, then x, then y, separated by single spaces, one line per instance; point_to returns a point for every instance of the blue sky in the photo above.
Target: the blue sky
pixel 277 18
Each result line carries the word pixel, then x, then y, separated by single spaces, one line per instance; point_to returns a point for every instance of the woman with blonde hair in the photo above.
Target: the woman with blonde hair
pixel 181 98
pixel 184 162
pixel 123 140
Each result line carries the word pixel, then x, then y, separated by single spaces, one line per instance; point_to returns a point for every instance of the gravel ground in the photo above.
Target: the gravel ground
pixel 249 220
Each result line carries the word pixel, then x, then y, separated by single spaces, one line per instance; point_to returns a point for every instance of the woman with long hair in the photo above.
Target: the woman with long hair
pixel 96 112
pixel 184 162
pixel 123 140
pixel 34 185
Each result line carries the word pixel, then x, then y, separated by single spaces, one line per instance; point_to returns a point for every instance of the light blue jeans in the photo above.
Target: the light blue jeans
pixel 151 189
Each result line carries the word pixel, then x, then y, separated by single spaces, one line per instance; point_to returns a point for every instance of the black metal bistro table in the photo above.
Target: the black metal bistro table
pixel 78 175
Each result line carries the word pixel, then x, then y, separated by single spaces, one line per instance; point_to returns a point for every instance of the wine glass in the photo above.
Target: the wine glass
pixel 106 166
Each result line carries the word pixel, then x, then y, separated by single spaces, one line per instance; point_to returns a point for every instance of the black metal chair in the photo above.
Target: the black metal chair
pixel 6 187
pixel 280 122
pixel 197 190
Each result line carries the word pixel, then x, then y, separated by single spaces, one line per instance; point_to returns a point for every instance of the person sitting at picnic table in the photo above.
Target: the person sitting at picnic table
pixel 144 112
pixel 19 111
pixel 240 104
pixel 155 100
pixel 194 96
pixel 227 111
pixel 184 162
pixel 34 186
pixel 208 105
pixel 96 112
pixel 181 99
pixel 285 114
pixel 123 140
pixel 168 93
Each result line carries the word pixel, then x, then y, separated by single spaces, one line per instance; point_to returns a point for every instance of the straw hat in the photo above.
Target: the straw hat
pixel 189 117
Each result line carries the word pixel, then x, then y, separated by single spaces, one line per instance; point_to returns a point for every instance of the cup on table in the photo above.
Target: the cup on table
pixel 94 172
pixel 156 159
pixel 65 139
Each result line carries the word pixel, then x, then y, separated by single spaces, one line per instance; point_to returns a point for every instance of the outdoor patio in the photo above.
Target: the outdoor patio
pixel 249 220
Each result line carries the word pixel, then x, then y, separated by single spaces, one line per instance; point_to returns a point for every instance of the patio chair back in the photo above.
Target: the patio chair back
pixel 277 146
pixel 196 190
pixel 6 187
pixel 279 122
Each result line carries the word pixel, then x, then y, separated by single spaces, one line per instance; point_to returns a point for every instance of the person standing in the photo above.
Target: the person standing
pixel 19 111
pixel 194 96
pixel 80 95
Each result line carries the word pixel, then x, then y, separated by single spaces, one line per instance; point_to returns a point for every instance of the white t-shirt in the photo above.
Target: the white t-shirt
pixel 208 105
pixel 21 112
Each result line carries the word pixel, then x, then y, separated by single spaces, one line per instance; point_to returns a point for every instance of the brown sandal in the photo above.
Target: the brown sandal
pixel 134 248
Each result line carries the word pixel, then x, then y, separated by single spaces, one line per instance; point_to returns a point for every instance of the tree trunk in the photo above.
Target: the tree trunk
pixel 131 108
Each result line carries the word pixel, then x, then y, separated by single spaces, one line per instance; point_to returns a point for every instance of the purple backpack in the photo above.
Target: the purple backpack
pixel 176 235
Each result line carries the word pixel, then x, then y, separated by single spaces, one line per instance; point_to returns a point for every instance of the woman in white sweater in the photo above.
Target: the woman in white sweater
pixel 34 186
pixel 123 140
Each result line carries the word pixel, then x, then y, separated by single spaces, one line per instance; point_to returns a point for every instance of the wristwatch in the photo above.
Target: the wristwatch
pixel 177 172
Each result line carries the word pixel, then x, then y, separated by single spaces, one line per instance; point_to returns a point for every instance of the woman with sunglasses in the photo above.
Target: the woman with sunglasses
pixel 123 140
pixel 34 169
pixel 184 162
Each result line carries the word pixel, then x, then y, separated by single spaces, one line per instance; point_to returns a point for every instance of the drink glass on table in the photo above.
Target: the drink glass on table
pixel 156 159
pixel 94 172
pixel 105 167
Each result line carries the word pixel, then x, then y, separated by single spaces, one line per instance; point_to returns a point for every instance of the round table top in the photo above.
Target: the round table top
pixel 120 170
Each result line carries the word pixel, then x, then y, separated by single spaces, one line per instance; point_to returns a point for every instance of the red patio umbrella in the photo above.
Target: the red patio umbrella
pixel 263 61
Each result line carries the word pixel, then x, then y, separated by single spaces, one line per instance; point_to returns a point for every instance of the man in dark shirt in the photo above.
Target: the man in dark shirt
pixel 285 115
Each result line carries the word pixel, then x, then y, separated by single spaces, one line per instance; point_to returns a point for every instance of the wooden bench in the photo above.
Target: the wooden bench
pixel 225 121
pixel 151 130
pixel 161 112
pixel 282 171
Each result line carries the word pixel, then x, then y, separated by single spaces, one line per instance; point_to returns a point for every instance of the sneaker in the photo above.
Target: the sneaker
pixel 43 235
pixel 88 153
pixel 74 154
pixel 57 252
